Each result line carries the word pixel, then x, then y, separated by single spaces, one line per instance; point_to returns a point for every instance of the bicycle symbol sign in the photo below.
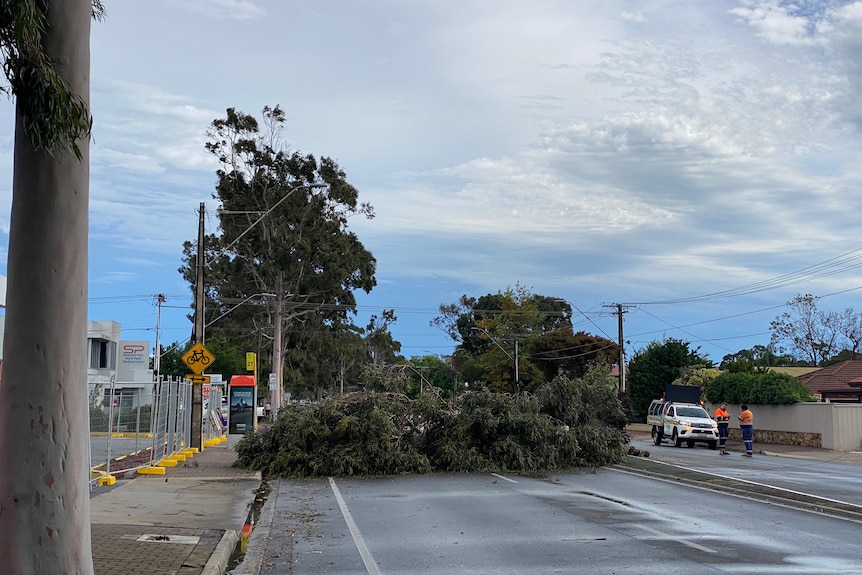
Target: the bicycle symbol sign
pixel 198 358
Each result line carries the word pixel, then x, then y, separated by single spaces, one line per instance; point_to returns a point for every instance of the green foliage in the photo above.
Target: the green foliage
pixel 757 388
pixel 567 423
pixel 592 408
pixel 758 357
pixel 500 432
pixel 171 363
pixel 53 117
pixel 654 367
pixel 562 350
pixel 431 370
pixel 357 434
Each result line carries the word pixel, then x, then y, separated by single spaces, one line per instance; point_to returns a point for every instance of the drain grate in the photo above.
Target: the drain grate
pixel 179 539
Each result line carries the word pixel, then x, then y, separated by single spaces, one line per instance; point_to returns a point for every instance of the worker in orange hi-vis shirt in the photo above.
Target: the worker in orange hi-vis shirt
pixel 746 424
pixel 723 420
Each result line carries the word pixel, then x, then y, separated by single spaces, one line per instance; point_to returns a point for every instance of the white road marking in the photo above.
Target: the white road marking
pixel 367 559
pixel 662 535
pixel 498 476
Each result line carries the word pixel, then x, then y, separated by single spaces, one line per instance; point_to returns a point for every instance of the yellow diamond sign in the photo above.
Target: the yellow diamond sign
pixel 198 358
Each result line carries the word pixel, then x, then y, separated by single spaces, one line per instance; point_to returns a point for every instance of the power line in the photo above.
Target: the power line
pixel 832 266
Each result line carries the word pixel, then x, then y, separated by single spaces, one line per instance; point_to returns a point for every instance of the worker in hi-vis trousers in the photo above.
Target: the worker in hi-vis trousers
pixel 723 420
pixel 746 424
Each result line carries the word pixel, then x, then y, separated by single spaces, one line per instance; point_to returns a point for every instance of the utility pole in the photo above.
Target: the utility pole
pixel 517 370
pixel 621 308
pixel 200 325
pixel 277 352
pixel 157 358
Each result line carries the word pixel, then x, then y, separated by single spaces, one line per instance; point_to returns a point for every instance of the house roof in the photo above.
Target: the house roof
pixel 843 378
pixel 793 371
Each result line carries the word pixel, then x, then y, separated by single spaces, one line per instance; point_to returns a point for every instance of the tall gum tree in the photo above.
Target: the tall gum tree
pixel 285 242
pixel 44 456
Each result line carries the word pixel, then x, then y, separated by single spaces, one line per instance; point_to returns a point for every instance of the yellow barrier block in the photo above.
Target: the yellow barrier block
pixel 190 450
pixel 151 470
pixel 107 480
pixel 178 457
pixel 167 463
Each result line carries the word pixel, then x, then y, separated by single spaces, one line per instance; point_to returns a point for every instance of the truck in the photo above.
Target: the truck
pixel 678 417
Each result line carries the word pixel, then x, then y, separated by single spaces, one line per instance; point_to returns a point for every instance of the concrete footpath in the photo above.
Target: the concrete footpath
pixel 185 522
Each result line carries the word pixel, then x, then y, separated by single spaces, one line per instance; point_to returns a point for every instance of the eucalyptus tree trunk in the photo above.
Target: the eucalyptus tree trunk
pixel 44 455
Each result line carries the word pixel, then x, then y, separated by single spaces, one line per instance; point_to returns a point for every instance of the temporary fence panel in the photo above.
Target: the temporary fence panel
pixel 120 418
pixel 135 425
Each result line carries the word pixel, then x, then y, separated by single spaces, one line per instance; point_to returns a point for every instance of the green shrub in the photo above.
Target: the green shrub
pixel 770 388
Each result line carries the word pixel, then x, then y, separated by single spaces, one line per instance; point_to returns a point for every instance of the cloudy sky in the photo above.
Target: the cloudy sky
pixel 696 160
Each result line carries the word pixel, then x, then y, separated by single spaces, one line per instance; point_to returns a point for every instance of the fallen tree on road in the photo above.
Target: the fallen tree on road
pixel 567 423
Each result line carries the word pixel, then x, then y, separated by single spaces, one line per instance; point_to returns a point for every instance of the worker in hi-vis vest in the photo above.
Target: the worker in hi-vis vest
pixel 723 420
pixel 746 424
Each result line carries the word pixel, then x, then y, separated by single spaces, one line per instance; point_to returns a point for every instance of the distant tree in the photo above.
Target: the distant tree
pixel 562 351
pixel 229 358
pixel 496 331
pixel 349 356
pixel 44 493
pixel 850 327
pixel 696 376
pixel 810 334
pixel 325 357
pixel 434 371
pixel 171 363
pixel 840 357
pixel 652 368
pixel 381 345
pixel 522 311
pixel 759 356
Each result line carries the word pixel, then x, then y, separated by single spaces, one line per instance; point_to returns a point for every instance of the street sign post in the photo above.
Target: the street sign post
pixel 197 358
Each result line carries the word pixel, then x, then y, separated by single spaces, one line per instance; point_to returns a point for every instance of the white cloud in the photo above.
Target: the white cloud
pixel 225 9
pixel 774 22
pixel 636 17
pixel 115 159
pixel 115 277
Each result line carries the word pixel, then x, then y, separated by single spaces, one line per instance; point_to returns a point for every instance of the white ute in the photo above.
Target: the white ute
pixel 678 422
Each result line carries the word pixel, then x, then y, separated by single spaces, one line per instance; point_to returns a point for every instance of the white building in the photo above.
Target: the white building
pixel 125 362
